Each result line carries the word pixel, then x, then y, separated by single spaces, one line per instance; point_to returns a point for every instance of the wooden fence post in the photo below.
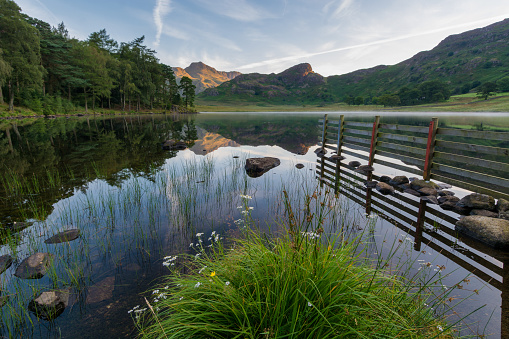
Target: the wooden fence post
pixel 426 175
pixel 372 151
pixel 322 153
pixel 339 146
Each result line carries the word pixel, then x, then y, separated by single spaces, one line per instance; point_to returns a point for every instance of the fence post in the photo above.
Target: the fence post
pixel 322 152
pixel 426 175
pixel 339 146
pixel 372 151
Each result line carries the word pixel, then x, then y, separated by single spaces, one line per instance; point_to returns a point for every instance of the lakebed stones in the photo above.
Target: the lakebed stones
pixel 336 158
pixel 412 192
pixel 385 178
pixel 49 305
pixel 428 191
pixel 502 205
pixel 101 291
pixel 491 231
pixel 370 184
pixel 364 169
pixel 320 152
pixel 384 188
pixel 5 262
pixel 299 166
pixel 444 193
pixel 430 199
pixel 417 184
pixel 354 163
pixel 484 213
pixel 256 167
pixel 65 236
pixel 478 201
pixel 35 266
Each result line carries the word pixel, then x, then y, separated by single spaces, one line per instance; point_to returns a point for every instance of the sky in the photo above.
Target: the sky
pixel 265 36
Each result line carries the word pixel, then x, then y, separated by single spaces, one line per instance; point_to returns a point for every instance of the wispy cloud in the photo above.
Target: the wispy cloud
pixel 337 8
pixel 367 44
pixel 161 8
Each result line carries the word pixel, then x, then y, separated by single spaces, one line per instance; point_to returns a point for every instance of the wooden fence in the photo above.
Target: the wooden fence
pixel 431 153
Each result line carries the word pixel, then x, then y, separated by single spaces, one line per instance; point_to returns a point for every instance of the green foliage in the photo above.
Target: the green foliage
pixel 188 91
pixel 503 84
pixel 486 90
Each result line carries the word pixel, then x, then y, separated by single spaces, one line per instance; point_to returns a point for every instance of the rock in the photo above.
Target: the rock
pixel 444 193
pixel 399 180
pixel 502 205
pixel 49 305
pixel 491 231
pixel 103 290
pixel 478 201
pixel 320 152
pixel 443 186
pixel 168 144
pixel 413 178
pixel 65 236
pixel 256 167
pixel 35 266
pixel 235 157
pixel 427 191
pixel 448 199
pixel 180 145
pixel 354 164
pixel 299 166
pixel 15 226
pixel 484 213
pixel 385 179
pixel 5 262
pixel 461 209
pixel 337 158
pixel 172 145
pixel 417 184
pixel 430 199
pixel 364 169
pixel 404 186
pixel 384 188
pixel 412 192
pixel 370 184
pixel 504 215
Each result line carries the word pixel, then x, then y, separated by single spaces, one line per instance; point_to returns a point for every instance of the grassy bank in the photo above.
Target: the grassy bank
pixel 458 103
pixel 302 284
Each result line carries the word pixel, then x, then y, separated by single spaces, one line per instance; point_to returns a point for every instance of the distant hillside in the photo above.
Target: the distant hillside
pixel 479 55
pixel 296 84
pixel 204 76
pixel 463 61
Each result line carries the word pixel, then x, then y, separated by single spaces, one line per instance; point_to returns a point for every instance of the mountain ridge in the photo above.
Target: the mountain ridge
pixel 204 76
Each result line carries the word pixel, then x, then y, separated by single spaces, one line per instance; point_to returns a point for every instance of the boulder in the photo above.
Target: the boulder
pixel 65 236
pixel 491 231
pixel 412 192
pixel 364 169
pixel 337 158
pixel 399 180
pixel 502 205
pixel 34 267
pixel 385 178
pixel 299 166
pixel 484 213
pixel 49 305
pixel 256 167
pixel 354 163
pixel 417 184
pixel 504 215
pixel 404 186
pixel 444 193
pixel 384 188
pixel 443 186
pixel 370 184
pixel 478 201
pixel 430 199
pixel 428 191
pixel 448 199
pixel 5 262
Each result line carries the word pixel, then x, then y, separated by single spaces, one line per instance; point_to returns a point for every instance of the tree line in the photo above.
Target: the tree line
pixel 44 69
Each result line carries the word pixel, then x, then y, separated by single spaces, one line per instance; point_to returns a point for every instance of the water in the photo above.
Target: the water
pixel 136 203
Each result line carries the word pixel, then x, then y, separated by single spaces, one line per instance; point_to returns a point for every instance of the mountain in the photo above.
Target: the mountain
pixel 203 76
pixel 463 61
pixel 298 83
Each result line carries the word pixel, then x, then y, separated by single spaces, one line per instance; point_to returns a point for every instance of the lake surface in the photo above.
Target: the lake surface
pixel 136 203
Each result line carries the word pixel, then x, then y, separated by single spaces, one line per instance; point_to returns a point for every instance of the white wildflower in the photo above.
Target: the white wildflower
pixel 199 234
pixel 227 283
pixel 201 270
pixel 246 197
pixel 310 304
pixel 198 284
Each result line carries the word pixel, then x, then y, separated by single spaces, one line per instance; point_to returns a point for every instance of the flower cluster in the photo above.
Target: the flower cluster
pixel 247 197
pixel 310 235
pixel 169 261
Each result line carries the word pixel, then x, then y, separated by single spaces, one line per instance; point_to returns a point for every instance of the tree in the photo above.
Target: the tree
pixel 188 90
pixel 20 44
pixel 433 91
pixel 503 84
pixel 5 72
pixel 358 100
pixel 389 100
pixel 487 89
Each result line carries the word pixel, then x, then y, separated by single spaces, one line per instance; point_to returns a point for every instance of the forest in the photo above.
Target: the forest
pixel 44 69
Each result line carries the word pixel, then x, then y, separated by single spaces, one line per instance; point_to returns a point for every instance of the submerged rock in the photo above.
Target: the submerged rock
pixel 354 163
pixel 299 166
pixel 428 191
pixel 370 184
pixel 384 188
pixel 484 213
pixel 502 205
pixel 417 184
pixel 337 158
pixel 34 267
pixel 444 193
pixel 256 167
pixel 385 178
pixel 5 262
pixel 412 192
pixel 65 236
pixel 49 305
pixel 491 231
pixel 430 199
pixel 320 152
pixel 101 291
pixel 364 169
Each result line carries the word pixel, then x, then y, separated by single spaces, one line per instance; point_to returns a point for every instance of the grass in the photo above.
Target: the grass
pixel 301 284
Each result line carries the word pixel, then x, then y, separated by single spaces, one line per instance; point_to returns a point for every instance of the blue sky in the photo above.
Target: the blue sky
pixel 334 36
